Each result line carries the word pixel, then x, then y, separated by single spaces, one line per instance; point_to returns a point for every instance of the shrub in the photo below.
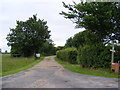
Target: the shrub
pixel 117 54
pixel 95 56
pixel 68 54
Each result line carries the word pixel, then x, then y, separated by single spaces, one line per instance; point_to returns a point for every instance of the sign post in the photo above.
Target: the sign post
pixel 112 60
pixel 114 66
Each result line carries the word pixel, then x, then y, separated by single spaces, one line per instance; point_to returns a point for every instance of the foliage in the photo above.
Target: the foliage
pixel 82 38
pixel 69 42
pixel 6 51
pixel 68 54
pixel 94 56
pixel 102 22
pixel 28 36
pixel 102 18
pixel 48 49
pixel 59 48
pixel 117 54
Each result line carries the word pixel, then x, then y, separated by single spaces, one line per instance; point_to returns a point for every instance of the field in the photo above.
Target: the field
pixel 95 72
pixel 11 65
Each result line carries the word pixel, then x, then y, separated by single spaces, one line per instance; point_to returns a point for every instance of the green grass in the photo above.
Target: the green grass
pixel 95 72
pixel 11 65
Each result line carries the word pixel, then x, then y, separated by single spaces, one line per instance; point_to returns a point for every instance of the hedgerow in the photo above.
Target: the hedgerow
pixel 94 56
pixel 68 55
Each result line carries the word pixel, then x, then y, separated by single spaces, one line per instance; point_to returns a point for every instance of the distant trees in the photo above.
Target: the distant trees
pixel 6 51
pixel 59 48
pixel 28 36
pixel 0 50
pixel 48 48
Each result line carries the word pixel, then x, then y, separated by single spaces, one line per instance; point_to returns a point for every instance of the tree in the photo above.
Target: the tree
pixel 69 42
pixel 82 38
pixel 102 18
pixel 28 36
pixel 6 51
pixel 0 50
pixel 48 48
pixel 59 48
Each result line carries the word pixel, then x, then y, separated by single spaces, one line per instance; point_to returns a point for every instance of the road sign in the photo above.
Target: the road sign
pixel 112 50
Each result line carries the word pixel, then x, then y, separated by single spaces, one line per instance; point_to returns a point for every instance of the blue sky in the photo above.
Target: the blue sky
pixel 12 10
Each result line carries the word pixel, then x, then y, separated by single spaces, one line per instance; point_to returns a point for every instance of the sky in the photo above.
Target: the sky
pixel 12 10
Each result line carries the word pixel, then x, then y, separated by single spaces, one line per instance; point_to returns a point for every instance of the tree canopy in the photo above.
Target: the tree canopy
pixel 102 18
pixel 28 36
pixel 82 38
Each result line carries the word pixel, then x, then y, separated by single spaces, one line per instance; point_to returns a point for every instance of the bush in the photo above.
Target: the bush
pixel 117 54
pixel 68 54
pixel 15 52
pixel 95 56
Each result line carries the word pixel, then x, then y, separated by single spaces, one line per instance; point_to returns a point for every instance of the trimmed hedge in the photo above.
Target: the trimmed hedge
pixel 94 56
pixel 68 55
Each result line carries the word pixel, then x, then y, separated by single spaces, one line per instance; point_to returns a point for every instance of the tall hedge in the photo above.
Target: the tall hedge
pixel 117 54
pixel 94 56
pixel 68 55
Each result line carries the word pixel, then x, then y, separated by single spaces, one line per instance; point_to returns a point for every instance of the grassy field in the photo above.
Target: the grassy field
pixel 78 69
pixel 11 65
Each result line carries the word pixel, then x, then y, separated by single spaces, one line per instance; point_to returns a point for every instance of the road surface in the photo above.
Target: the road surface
pixel 49 74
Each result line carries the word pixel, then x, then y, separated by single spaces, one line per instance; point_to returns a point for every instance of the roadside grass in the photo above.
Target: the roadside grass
pixel 11 65
pixel 95 72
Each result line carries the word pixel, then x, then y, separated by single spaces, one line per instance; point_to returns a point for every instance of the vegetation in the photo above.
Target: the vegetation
pixel 81 39
pixel 95 72
pixel 48 49
pixel 59 48
pixel 68 54
pixel 101 18
pixel 94 56
pixel 28 37
pixel 101 21
pixel 11 65
pixel 117 54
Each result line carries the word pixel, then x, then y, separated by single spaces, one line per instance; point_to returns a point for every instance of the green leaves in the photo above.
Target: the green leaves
pixel 102 18
pixel 68 55
pixel 94 56
pixel 28 36
pixel 82 38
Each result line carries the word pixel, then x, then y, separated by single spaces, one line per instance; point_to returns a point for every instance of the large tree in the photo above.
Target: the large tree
pixel 28 36
pixel 102 18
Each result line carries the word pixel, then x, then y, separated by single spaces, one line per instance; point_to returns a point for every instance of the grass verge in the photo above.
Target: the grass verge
pixel 95 72
pixel 11 65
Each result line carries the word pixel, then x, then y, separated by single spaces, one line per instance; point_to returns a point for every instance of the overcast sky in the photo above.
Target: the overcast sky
pixel 12 10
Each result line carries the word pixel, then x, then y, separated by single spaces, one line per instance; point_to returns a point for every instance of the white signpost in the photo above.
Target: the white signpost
pixel 38 55
pixel 113 51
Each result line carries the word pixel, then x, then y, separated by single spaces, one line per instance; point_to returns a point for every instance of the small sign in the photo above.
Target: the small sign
pixel 112 50
pixel 38 55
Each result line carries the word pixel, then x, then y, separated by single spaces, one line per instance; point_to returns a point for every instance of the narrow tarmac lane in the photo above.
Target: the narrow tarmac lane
pixel 49 74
